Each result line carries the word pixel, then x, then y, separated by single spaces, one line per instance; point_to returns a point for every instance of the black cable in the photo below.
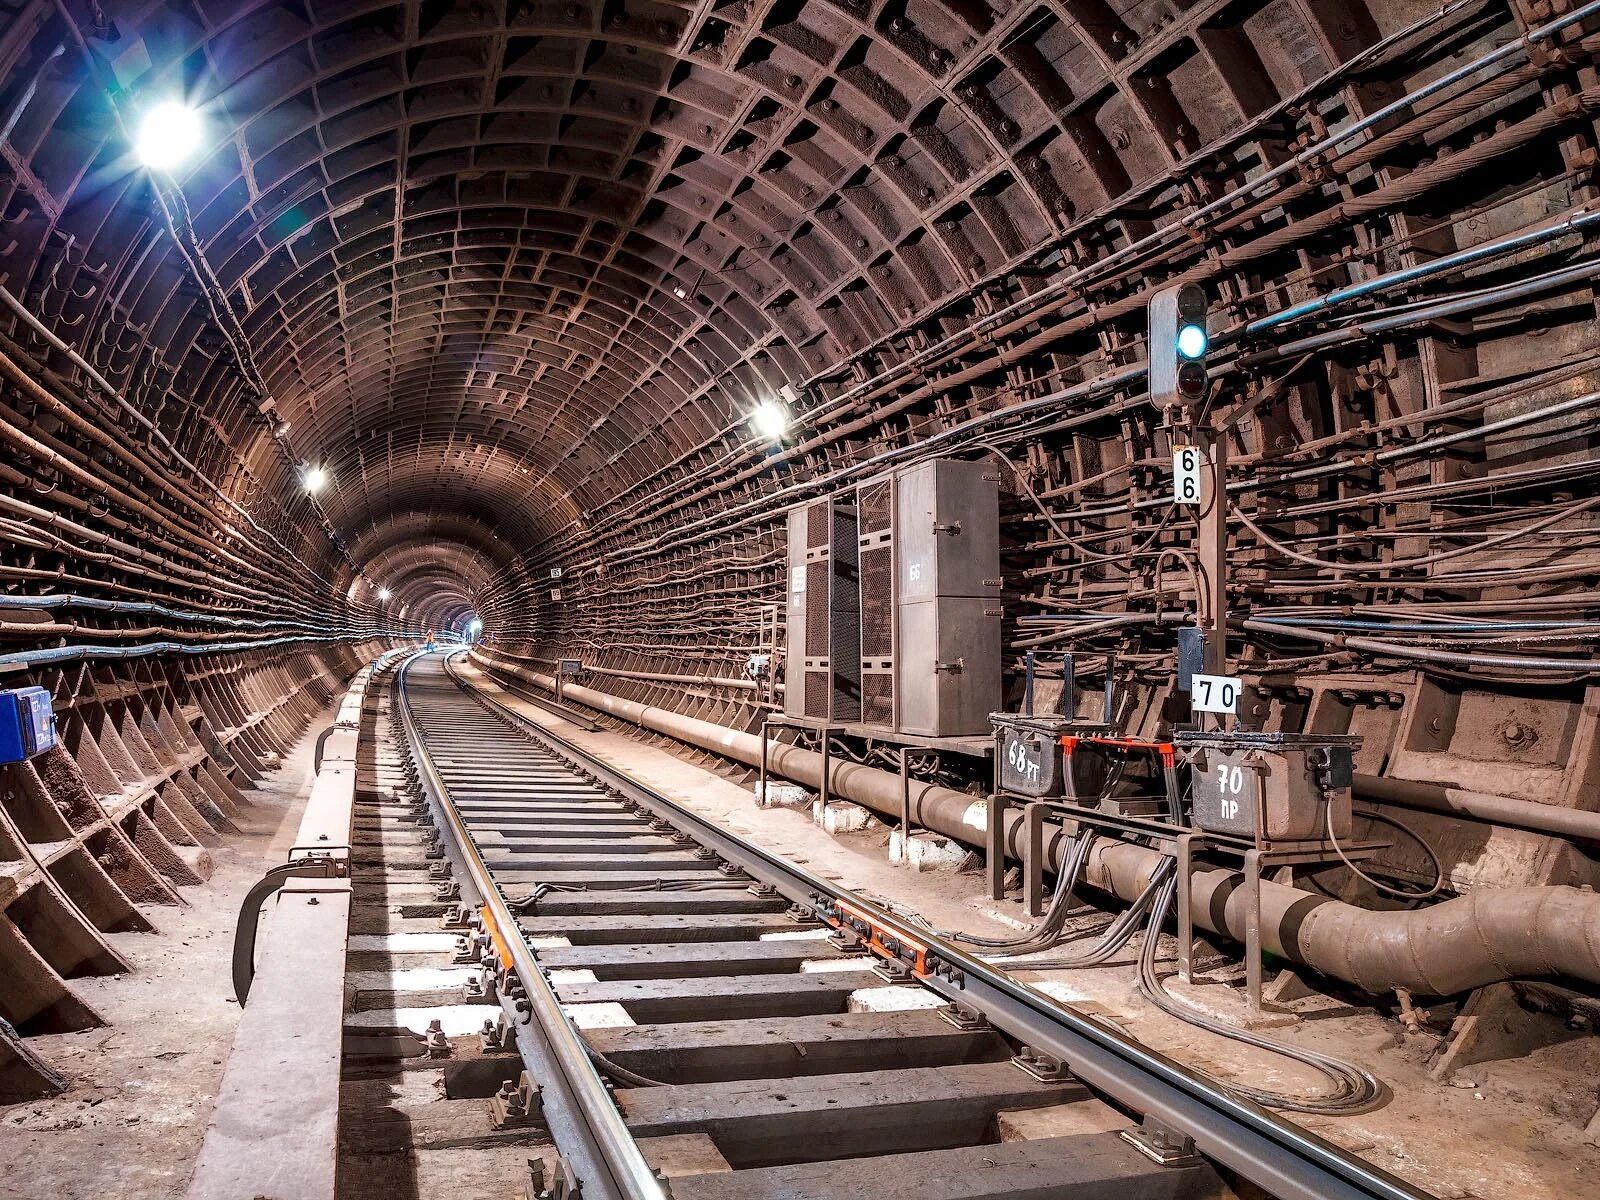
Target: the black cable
pixel 1354 1088
pixel 1401 893
pixel 621 1074
pixel 1112 940
pixel 1047 932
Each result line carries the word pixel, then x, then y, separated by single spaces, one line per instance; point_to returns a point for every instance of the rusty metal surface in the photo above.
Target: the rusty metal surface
pixel 515 275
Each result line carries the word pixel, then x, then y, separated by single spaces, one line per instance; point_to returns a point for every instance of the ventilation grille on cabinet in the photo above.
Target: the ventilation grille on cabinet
pixel 817 608
pixel 817 694
pixel 877 602
pixel 876 501
pixel 877 698
pixel 817 524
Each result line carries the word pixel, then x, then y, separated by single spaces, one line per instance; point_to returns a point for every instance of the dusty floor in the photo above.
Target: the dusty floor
pixel 1519 1132
pixel 130 1125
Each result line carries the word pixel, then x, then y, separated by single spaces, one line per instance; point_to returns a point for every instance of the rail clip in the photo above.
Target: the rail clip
pixel 880 941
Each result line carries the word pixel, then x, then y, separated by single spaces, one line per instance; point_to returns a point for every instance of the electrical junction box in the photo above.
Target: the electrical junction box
pixel 1271 787
pixel 1030 756
pixel 571 668
pixel 27 723
pixel 930 612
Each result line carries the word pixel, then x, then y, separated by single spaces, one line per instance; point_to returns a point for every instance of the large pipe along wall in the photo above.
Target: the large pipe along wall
pixel 1467 942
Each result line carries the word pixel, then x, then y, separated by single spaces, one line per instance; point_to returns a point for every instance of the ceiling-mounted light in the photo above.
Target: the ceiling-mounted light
pixel 313 478
pixel 168 133
pixel 770 420
pixel 383 593
pixel 680 293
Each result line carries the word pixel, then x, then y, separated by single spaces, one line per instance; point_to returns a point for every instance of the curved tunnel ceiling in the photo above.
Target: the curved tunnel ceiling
pixel 506 260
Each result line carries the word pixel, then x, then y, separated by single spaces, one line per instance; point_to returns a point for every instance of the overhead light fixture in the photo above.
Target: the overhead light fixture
pixel 169 133
pixel 383 593
pixel 314 479
pixel 680 293
pixel 770 420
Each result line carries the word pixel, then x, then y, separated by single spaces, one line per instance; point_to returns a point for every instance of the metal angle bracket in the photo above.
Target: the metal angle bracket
pixel 1042 1067
pixel 469 949
pixel 438 1044
pixel 892 970
pixel 482 988
pixel 516 1106
pixel 846 938
pixel 497 1037
pixel 964 1019
pixel 1162 1144
pixel 565 1186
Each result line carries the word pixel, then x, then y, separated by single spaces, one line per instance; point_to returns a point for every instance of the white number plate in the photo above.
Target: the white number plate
pixel 1214 694
pixel 1186 475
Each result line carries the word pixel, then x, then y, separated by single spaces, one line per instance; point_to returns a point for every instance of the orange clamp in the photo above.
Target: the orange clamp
pixel 500 947
pixel 1070 741
pixel 878 938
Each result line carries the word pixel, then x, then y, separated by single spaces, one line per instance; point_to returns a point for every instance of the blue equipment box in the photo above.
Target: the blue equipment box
pixel 27 723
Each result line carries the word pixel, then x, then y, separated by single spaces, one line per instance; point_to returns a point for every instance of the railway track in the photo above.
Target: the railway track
pixel 659 978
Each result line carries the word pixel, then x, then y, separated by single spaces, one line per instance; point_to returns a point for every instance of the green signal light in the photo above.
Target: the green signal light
pixel 1192 341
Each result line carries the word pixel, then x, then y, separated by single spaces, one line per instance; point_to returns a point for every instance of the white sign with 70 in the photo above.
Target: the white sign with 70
pixel 1214 694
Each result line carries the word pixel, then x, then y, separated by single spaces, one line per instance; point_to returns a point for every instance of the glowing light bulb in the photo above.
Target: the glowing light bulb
pixel 314 479
pixel 770 420
pixel 169 133
pixel 383 593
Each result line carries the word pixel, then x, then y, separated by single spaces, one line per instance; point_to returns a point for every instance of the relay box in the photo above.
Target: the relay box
pixel 27 723
pixel 1274 787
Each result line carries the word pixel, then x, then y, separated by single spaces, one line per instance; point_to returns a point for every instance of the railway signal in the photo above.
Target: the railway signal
pixel 1178 343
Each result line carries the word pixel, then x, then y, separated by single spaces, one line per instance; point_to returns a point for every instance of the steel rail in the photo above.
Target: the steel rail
pixel 584 1123
pixel 1289 1162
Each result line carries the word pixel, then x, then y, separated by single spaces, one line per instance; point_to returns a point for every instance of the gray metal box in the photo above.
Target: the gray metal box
pixel 822 674
pixel 947 665
pixel 947 530
pixel 1272 787
pixel 1030 761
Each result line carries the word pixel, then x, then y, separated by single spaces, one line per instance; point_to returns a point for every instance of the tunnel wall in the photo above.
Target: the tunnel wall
pixel 154 760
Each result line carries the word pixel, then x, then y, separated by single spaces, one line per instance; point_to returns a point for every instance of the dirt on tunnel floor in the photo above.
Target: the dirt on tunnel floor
pixel 130 1124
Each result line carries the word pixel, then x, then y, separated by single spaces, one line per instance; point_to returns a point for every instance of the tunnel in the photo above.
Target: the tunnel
pixel 759 598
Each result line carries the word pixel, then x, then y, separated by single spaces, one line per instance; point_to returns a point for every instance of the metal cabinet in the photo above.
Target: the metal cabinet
pixel 823 675
pixel 948 665
pixel 947 530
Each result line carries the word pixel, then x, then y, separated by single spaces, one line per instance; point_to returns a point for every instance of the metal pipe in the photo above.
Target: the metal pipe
pixel 1527 815
pixel 1468 942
